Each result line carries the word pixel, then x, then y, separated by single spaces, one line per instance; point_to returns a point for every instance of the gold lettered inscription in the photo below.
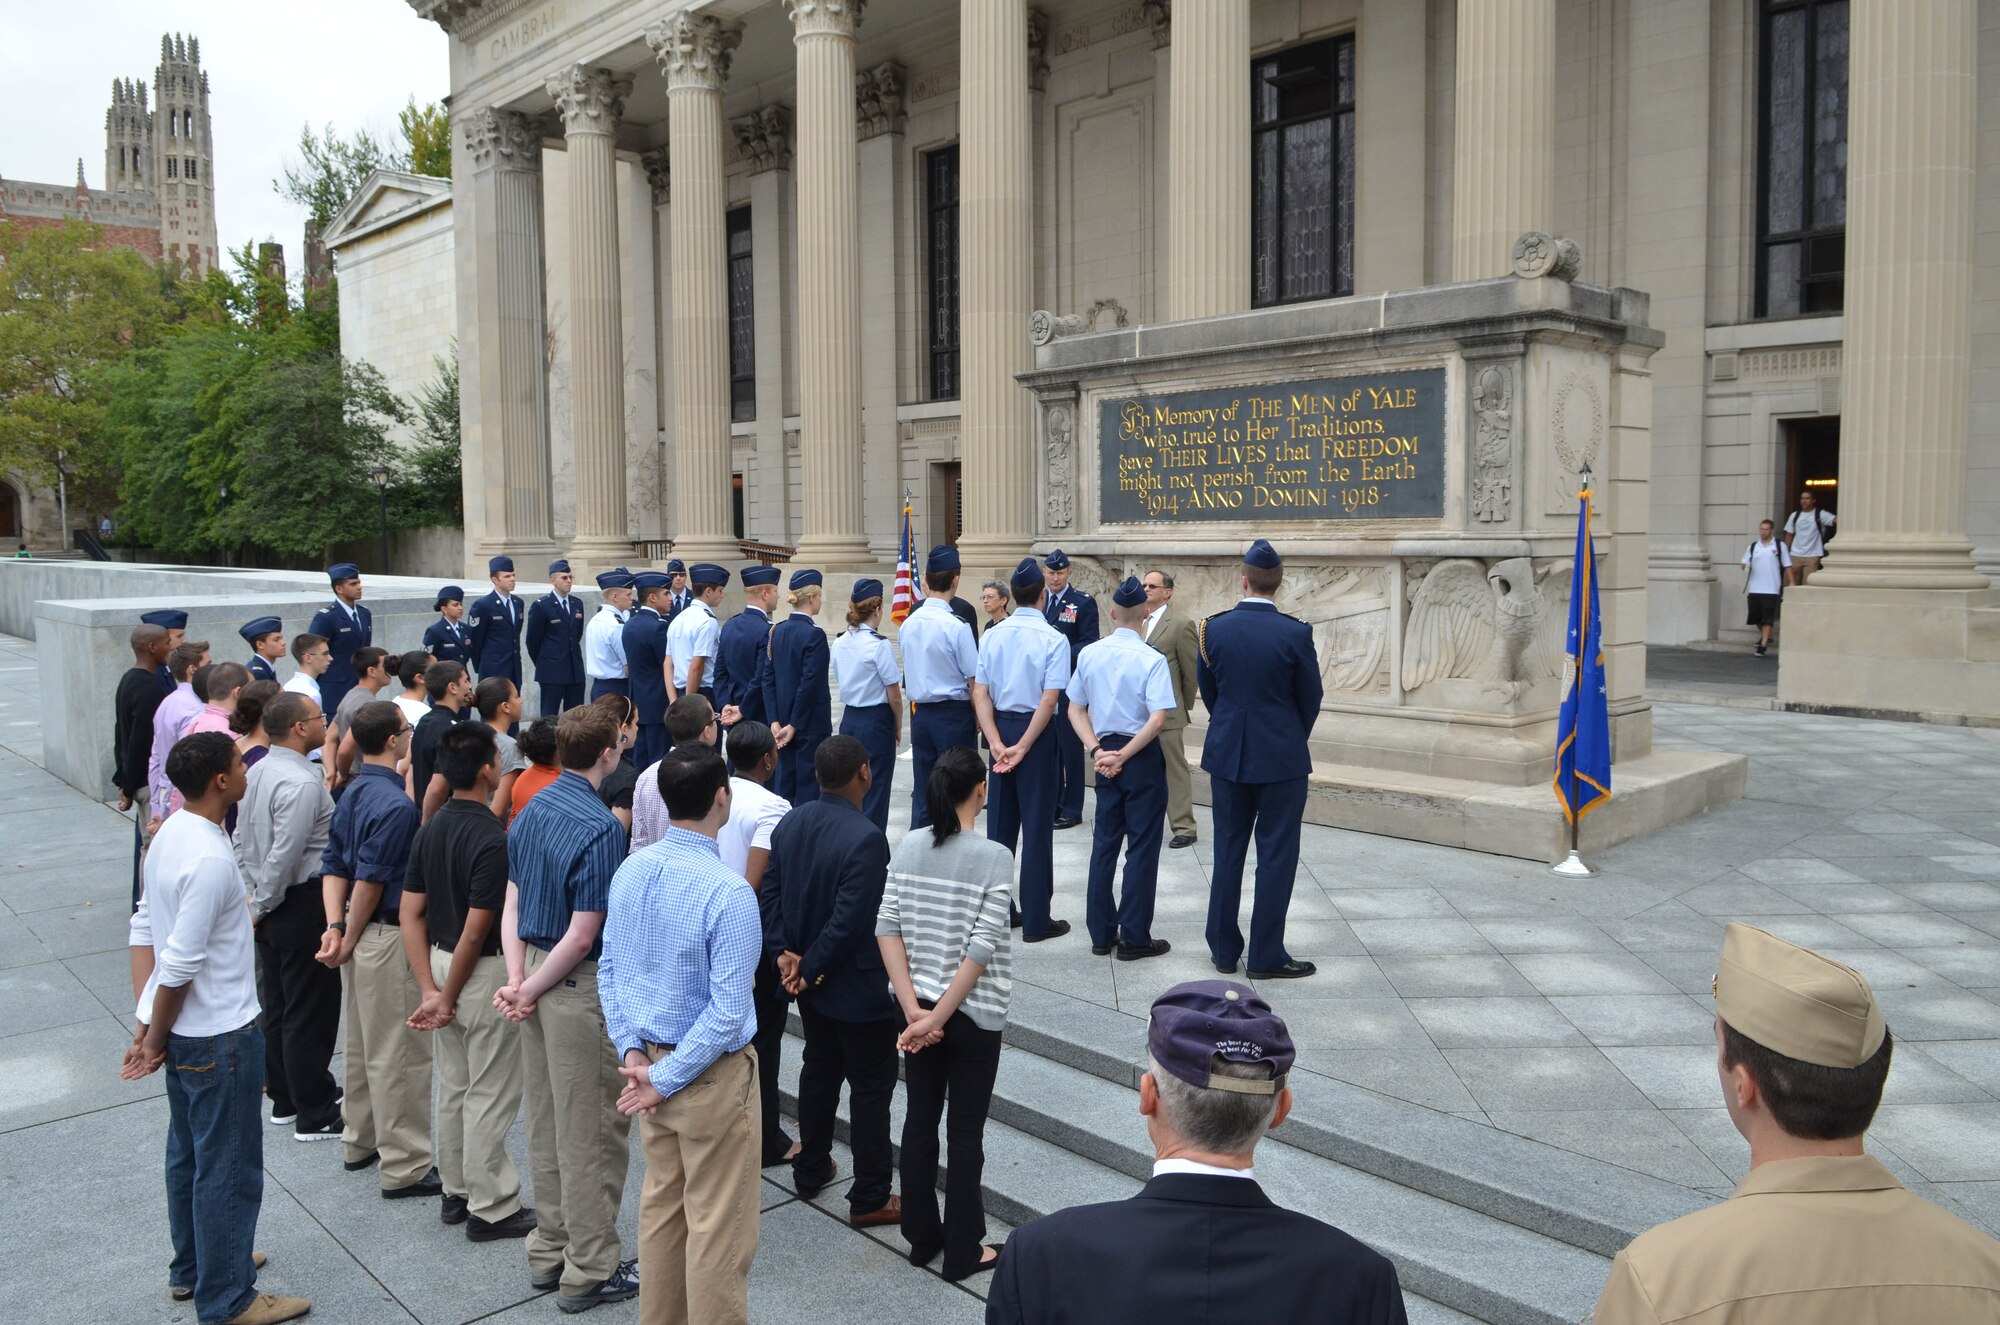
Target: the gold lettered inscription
pixel 1347 448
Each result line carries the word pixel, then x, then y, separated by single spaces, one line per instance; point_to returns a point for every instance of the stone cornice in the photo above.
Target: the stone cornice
pixel 694 50
pixel 825 18
pixel 589 100
pixel 466 19
pixel 764 138
pixel 878 97
pixel 503 139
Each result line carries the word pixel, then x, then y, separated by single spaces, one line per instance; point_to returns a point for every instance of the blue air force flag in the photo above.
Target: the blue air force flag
pixel 1583 726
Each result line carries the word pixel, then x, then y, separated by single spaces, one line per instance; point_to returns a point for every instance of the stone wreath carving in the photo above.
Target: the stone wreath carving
pixel 1493 444
pixel 1500 625
pixel 1106 314
pixel 1060 435
pixel 1044 326
pixel 1537 254
pixel 1576 424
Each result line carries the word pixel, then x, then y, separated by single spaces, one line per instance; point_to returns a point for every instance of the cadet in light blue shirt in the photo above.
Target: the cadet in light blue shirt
pixel 1022 669
pixel 1119 699
pixel 694 633
pixel 939 658
pixel 871 694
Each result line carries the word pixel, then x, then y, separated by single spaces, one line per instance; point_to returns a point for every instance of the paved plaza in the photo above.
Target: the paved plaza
pixel 1574 1012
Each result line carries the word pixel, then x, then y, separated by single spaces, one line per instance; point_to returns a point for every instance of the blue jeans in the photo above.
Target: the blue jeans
pixel 215 1166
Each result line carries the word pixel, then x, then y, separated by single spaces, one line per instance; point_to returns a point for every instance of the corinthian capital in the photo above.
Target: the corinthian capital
pixel 503 138
pixel 589 100
pixel 764 137
pixel 825 18
pixel 694 50
pixel 658 174
pixel 878 97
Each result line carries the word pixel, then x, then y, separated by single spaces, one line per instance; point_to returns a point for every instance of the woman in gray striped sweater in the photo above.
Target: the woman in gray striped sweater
pixel 943 931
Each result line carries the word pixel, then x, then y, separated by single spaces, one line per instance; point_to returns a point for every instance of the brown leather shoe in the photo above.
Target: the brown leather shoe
pixel 269 1309
pixel 890 1213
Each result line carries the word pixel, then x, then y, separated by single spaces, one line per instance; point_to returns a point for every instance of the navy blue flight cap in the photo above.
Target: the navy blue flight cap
pixel 1129 594
pixel 167 618
pixel 1192 1023
pixel 648 580
pixel 756 577
pixel 559 567
pixel 943 558
pixel 1263 556
pixel 805 579
pixel 1057 560
pixel 864 590
pixel 677 567
pixel 1027 573
pixel 451 593
pixel 705 573
pixel 251 631
pixel 495 565
pixel 345 570
pixel 615 579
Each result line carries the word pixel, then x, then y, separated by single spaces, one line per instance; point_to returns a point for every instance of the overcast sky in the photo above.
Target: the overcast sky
pixel 272 67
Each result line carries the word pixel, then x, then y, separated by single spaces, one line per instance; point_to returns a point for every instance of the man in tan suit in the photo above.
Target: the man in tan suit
pixel 1818 1231
pixel 1173 635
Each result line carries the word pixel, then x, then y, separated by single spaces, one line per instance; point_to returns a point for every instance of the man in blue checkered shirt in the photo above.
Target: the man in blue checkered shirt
pixel 682 937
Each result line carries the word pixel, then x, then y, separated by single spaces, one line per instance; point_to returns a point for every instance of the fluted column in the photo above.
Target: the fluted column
pixel 995 209
pixel 833 535
pixel 694 52
pixel 504 369
pixel 1910 162
pixel 590 102
pixel 1504 142
pixel 1208 232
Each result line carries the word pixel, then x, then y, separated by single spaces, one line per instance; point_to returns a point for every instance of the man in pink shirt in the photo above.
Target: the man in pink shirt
pixel 223 682
pixel 170 723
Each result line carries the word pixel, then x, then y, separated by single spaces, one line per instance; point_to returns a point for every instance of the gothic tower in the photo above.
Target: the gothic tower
pixel 128 138
pixel 181 171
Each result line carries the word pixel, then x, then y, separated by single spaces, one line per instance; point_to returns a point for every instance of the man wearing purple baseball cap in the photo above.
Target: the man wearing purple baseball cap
pixel 1201 1241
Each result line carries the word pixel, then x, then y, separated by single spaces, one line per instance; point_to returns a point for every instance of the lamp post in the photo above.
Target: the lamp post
pixel 222 500
pixel 381 476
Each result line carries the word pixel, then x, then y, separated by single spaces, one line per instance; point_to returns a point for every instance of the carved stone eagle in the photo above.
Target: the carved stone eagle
pixel 1502 626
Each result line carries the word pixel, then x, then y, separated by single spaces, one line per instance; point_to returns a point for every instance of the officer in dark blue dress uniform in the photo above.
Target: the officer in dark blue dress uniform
pixel 1259 678
pixel 174 622
pixel 739 654
pixel 797 703
pixel 679 595
pixel 555 641
pixel 446 640
pixel 347 626
pixel 266 637
pixel 1074 614
pixel 495 623
pixel 645 640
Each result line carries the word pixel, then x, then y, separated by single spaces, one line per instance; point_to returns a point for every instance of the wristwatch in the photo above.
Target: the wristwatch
pixel 1094 749
pixel 337 926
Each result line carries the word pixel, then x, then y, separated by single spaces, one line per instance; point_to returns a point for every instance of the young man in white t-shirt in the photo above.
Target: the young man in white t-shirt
pixel 1806 532
pixel 313 656
pixel 1768 561
pixel 194 965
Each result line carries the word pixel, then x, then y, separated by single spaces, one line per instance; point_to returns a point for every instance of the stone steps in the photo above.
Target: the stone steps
pixel 1061 1136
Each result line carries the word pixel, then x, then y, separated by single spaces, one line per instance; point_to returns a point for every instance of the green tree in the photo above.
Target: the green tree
pixel 427 136
pixel 331 168
pixel 429 483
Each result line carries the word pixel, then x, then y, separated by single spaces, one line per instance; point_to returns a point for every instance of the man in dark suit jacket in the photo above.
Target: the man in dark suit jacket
pixel 495 624
pixel 1074 614
pixel 1259 678
pixel 347 628
pixel 821 891
pixel 555 641
pixel 1201 1241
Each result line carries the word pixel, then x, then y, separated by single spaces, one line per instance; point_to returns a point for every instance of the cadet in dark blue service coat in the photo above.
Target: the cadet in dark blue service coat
pixel 797 703
pixel 446 640
pixel 555 641
pixel 266 637
pixel 1074 615
pixel 347 626
pixel 645 641
pixel 174 622
pixel 871 694
pixel 496 625
pixel 739 653
pixel 1259 678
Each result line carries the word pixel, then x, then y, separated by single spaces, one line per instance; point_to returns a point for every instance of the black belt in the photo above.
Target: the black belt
pixel 1106 739
pixel 946 700
pixel 395 920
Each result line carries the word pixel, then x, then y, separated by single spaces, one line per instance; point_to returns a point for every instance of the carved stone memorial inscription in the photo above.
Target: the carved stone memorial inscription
pixel 1368 447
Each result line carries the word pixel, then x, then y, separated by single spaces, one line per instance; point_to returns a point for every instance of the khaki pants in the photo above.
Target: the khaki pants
pixel 579 1145
pixel 479 1092
pixel 698 1212
pixel 1805 566
pixel 387 1066
pixel 1180 784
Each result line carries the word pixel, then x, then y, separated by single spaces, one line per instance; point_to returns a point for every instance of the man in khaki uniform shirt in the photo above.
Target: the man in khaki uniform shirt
pixel 1173 635
pixel 1818 1231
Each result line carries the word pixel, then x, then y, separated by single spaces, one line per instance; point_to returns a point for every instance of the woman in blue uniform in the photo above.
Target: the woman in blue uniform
pixel 796 700
pixel 871 691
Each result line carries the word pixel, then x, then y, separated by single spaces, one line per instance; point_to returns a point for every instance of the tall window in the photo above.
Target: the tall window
pixel 742 321
pixel 1302 173
pixel 941 270
pixel 1802 165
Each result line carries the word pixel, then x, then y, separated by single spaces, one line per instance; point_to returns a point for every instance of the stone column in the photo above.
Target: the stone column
pixel 995 209
pixel 694 52
pixel 656 487
pixel 590 102
pixel 503 322
pixel 832 534
pixel 1504 148
pixel 764 139
pixel 885 221
pixel 1208 228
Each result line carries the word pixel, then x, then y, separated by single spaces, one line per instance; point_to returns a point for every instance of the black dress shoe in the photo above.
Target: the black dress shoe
pixel 517 1225
pixel 1013 917
pixel 1181 840
pixel 1102 949
pixel 365 1162
pixel 456 1210
pixel 1289 971
pixel 1055 930
pixel 428 1185
pixel 1226 968
pixel 1157 948
pixel 1067 823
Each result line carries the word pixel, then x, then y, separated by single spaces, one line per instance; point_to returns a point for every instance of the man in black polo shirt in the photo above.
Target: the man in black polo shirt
pixel 450 690
pixel 453 891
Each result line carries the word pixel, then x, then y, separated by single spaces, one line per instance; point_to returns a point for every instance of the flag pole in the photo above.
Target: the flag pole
pixel 1573 866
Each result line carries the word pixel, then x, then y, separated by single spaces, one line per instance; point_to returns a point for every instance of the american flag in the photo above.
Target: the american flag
pixel 906 590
